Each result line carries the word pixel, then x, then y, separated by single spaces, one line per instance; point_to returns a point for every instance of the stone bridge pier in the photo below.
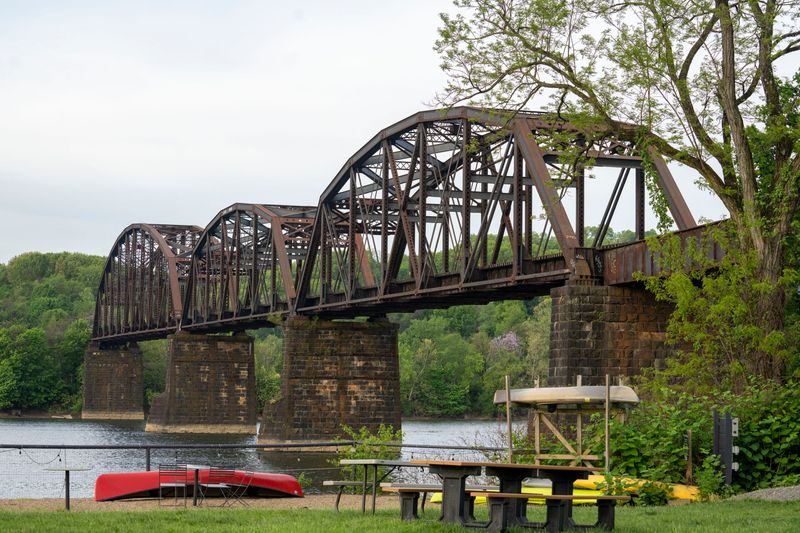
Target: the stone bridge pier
pixel 112 383
pixel 597 330
pixel 334 373
pixel 211 386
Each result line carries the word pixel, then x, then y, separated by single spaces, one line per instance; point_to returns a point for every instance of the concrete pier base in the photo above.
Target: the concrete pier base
pixel 211 386
pixel 598 330
pixel 112 383
pixel 334 373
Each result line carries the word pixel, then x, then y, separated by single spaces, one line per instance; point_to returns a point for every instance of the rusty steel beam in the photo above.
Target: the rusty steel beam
pixel 553 207
pixel 620 264
pixel 142 280
pixel 444 207
pixel 242 267
pixel 677 205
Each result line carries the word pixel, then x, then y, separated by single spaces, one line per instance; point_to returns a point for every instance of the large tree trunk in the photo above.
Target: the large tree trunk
pixel 771 301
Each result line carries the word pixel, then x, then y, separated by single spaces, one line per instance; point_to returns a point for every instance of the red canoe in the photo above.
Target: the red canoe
pixel 145 484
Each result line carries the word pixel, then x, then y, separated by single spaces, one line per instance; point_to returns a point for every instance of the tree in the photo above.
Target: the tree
pixel 698 76
pixel 28 375
pixel 439 371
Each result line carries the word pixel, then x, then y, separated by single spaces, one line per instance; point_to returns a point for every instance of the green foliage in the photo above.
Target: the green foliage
pixel 653 493
pixel 69 351
pixel 710 478
pixel 453 360
pixel 436 369
pixel 369 445
pixel 652 439
pixel 615 485
pixel 651 442
pixel 28 377
pixel 154 363
pixel 268 350
pixel 46 303
pixel 304 481
pixel 717 324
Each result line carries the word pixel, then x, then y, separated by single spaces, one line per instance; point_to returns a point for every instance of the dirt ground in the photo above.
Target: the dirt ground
pixel 313 501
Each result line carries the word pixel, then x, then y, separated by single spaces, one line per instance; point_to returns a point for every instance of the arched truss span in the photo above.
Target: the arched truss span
pixel 463 206
pixel 245 264
pixel 141 290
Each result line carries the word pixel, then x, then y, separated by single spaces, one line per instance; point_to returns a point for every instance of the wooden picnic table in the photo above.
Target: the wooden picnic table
pixel 391 464
pixel 455 501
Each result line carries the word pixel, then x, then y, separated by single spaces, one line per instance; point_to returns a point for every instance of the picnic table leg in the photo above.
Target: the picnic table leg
pixel 196 487
pixel 511 482
pixel 338 497
pixel 555 516
pixel 408 505
pixel 563 485
pixel 454 499
pixel 374 485
pixel 364 491
pixel 605 514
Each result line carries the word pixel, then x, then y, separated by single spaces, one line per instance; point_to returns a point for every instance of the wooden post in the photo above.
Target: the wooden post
pixel 689 457
pixel 536 422
pixel 536 436
pixel 607 415
pixel 508 421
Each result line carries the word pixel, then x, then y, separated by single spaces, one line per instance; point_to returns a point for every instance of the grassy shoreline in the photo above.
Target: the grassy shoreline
pixel 726 516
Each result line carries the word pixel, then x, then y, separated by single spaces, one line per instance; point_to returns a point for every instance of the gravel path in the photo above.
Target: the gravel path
pixel 313 501
pixel 779 494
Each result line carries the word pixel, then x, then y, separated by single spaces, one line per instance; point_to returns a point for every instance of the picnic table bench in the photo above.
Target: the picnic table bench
pixel 502 510
pixel 410 494
pixel 390 464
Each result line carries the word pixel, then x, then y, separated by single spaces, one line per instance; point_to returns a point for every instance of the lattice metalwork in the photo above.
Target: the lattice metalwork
pixel 141 291
pixel 245 264
pixel 445 207
pixel 441 208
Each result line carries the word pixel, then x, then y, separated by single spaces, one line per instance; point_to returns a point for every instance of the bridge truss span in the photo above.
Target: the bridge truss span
pixel 463 206
pixel 141 290
pixel 244 266
pixel 446 207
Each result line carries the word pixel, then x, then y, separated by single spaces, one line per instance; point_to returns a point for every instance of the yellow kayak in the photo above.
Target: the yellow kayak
pixel 588 487
pixel 437 497
pixel 679 492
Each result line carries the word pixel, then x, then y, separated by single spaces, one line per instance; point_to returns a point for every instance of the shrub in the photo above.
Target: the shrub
pixel 652 441
pixel 369 446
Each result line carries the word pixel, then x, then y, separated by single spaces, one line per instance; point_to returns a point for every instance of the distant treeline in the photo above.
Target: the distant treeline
pixel 46 305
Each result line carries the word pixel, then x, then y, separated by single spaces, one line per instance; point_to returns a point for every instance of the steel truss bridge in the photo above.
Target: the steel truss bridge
pixel 443 208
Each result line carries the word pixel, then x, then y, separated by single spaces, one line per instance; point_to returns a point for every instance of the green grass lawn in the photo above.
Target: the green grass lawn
pixel 723 517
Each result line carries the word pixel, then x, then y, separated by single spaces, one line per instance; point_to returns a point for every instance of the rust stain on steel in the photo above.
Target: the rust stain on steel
pixel 438 209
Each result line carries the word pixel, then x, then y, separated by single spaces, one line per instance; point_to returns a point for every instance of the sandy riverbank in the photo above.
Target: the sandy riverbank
pixel 313 501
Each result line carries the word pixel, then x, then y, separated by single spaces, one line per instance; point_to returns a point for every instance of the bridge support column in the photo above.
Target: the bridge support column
pixel 112 383
pixel 334 373
pixel 211 386
pixel 598 330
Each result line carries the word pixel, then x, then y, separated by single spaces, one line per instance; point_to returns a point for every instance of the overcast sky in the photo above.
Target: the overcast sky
pixel 167 111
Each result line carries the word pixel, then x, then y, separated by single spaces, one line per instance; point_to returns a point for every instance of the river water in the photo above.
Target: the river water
pixel 24 473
